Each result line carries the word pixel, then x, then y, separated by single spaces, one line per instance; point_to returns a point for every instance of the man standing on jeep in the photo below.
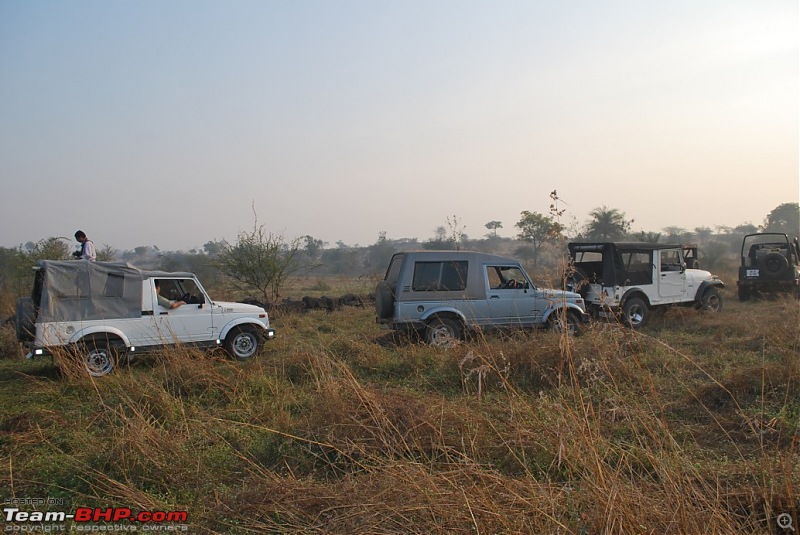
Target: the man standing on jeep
pixel 87 251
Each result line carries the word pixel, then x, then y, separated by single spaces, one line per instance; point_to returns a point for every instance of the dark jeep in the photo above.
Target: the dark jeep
pixel 769 265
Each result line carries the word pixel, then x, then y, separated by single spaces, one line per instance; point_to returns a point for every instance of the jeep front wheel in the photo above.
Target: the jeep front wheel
pixel 571 324
pixel 635 312
pixel 443 332
pixel 242 343
pixel 712 300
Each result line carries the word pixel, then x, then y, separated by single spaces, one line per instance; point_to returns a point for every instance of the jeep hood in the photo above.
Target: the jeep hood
pixel 239 308
pixel 699 275
pixel 560 295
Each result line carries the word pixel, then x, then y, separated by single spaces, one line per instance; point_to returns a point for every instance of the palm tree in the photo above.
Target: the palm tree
pixel 607 224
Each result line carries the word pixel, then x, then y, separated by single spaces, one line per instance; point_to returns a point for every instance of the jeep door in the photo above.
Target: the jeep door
pixel 671 275
pixel 511 298
pixel 191 322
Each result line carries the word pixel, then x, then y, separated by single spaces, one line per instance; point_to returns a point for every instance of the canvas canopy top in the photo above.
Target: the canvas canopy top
pixel 617 263
pixel 82 290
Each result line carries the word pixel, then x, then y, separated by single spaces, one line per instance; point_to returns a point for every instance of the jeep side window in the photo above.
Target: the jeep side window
pixel 184 289
pixel 169 289
pixel 638 266
pixel 115 284
pixel 505 277
pixel 671 260
pixel 393 273
pixel 439 276
pixel 189 286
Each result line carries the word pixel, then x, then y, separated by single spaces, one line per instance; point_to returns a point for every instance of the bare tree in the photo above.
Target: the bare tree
pixel 457 234
pixel 260 260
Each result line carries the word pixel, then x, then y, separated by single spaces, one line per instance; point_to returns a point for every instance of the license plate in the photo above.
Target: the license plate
pixel 752 273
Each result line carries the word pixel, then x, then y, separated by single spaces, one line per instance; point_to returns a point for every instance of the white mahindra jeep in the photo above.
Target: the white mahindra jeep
pixel 636 278
pixel 107 310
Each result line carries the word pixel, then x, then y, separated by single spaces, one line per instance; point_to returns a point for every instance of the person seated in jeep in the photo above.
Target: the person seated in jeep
pixel 163 301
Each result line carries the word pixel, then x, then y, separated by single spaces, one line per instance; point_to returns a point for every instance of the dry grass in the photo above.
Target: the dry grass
pixel 690 426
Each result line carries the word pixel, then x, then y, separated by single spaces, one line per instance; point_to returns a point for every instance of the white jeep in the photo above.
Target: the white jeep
pixel 636 278
pixel 105 311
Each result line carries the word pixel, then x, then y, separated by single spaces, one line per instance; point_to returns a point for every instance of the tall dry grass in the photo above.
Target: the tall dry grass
pixel 689 426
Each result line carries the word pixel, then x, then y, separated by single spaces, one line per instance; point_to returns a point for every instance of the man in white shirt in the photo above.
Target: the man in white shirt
pixel 87 251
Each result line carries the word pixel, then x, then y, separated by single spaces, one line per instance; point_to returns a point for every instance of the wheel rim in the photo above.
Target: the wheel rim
pixel 245 345
pixel 636 314
pixel 560 326
pixel 99 362
pixel 441 336
pixel 714 303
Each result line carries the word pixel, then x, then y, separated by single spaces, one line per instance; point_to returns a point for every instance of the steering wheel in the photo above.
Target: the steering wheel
pixel 511 284
pixel 185 297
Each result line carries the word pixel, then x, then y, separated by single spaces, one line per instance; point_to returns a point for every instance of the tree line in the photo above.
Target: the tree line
pixel 261 261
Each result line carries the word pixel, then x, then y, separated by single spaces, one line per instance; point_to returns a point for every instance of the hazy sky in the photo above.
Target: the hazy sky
pixel 163 122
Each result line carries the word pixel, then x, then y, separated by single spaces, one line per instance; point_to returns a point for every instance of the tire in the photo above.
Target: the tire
pixel 635 312
pixel 573 323
pixel 773 265
pixel 443 332
pixel 693 264
pixel 26 320
pixel 242 343
pixel 711 300
pixel 99 358
pixel 744 294
pixel 384 300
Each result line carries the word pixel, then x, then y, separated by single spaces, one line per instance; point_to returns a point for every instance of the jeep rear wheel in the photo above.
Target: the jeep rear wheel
pixel 635 312
pixel 99 358
pixel 443 332
pixel 242 343
pixel 744 293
